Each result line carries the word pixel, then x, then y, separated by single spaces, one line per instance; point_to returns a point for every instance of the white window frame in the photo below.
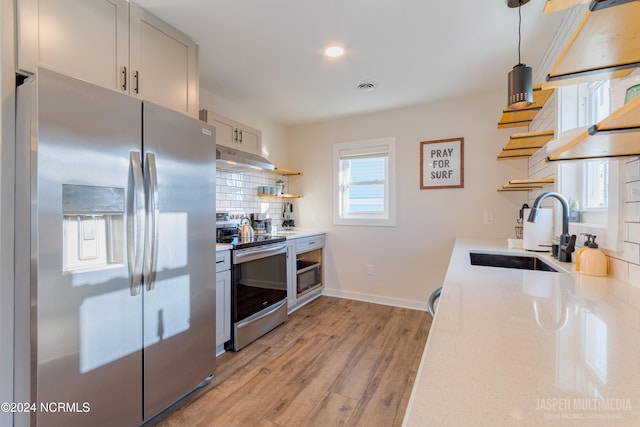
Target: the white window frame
pixel 578 107
pixel 342 150
pixel 589 175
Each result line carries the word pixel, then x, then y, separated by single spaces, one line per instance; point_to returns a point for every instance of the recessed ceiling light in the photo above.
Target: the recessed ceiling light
pixel 334 51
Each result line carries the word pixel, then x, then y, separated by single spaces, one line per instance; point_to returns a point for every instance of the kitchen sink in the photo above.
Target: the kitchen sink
pixel 520 262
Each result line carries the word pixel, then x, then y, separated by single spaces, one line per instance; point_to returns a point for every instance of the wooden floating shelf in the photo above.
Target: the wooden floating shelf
pixel 288 172
pixel 618 135
pixel 556 5
pixel 285 172
pixel 605 45
pixel 529 140
pixel 523 153
pixel 524 116
pixel 526 184
pixel 523 145
pixel 280 196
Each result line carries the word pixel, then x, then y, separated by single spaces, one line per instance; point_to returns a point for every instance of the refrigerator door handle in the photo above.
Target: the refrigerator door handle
pixel 135 223
pixel 153 223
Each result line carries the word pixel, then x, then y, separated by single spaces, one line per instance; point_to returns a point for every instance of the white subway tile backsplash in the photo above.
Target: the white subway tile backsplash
pixel 632 212
pixel 634 274
pixel 633 235
pixel 619 269
pixel 633 170
pixel 629 252
pixel 633 191
pixel 240 191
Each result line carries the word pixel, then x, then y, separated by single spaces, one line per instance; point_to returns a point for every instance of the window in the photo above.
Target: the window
pixel 364 174
pixel 595 184
pixel 586 183
pixel 584 104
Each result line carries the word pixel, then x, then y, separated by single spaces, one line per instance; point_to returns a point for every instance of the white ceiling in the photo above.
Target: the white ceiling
pixel 268 54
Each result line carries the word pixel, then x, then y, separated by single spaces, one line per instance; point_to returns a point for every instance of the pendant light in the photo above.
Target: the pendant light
pixel 520 93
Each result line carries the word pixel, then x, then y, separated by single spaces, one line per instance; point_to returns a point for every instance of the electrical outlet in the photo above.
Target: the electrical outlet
pixel 488 218
pixel 314 216
pixel 370 269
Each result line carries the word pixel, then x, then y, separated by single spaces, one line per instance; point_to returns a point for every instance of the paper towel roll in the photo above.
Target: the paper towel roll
pixel 537 235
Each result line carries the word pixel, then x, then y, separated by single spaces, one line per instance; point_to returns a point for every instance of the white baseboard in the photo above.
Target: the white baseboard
pixel 376 299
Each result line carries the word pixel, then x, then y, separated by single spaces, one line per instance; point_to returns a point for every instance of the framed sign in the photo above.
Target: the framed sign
pixel 442 164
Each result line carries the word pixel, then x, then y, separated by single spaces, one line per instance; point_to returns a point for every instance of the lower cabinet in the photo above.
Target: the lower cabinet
pixel 304 270
pixel 223 299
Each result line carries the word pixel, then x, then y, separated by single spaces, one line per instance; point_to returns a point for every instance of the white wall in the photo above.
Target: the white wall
pixel 409 260
pixel 7 132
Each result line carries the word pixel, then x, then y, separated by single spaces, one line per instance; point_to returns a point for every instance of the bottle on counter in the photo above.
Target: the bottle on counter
pixel 582 249
pixel 593 261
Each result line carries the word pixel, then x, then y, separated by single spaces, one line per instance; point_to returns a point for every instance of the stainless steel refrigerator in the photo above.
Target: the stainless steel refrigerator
pixel 115 250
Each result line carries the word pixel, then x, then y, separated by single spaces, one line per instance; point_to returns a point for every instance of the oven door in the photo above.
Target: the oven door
pixel 258 292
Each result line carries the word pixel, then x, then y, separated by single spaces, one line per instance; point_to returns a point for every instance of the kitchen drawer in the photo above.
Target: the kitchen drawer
pixel 309 243
pixel 223 260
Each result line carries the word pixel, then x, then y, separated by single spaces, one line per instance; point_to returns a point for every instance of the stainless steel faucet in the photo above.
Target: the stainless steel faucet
pixel 567 241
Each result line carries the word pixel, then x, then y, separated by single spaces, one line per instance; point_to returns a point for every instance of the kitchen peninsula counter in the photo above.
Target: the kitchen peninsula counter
pixel 528 348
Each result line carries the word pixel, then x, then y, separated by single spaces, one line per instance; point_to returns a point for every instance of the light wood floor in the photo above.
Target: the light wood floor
pixel 334 362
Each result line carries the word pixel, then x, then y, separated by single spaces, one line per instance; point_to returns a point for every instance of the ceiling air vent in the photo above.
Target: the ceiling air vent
pixel 366 87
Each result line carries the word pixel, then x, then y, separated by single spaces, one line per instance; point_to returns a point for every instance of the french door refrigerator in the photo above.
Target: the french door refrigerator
pixel 115 250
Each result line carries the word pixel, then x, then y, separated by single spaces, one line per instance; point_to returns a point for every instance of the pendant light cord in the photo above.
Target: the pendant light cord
pixel 519 29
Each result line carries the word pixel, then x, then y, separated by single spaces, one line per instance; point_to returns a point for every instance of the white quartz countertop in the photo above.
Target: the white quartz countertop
pixel 298 233
pixel 527 348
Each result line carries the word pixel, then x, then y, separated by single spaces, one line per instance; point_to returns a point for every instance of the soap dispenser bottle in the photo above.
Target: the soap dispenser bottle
pixel 593 261
pixel 582 249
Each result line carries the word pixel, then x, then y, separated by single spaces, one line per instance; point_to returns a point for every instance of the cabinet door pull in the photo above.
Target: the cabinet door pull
pixel 135 77
pixel 123 78
pixel 236 131
pixel 240 137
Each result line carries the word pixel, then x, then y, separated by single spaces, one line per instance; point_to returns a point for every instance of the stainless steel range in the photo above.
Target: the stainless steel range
pixel 258 281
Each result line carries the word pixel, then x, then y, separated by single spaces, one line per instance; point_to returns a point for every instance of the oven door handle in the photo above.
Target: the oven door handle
pixel 272 309
pixel 257 254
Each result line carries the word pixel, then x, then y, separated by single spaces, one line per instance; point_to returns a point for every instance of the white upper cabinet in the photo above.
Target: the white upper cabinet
pixel 234 134
pixel 249 139
pixel 164 63
pixel 83 39
pixel 111 43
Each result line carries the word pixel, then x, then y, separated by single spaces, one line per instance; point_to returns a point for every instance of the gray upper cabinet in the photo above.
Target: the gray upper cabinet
pixel 113 44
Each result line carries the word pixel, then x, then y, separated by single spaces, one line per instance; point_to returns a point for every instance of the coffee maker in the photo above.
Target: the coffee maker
pixel 260 224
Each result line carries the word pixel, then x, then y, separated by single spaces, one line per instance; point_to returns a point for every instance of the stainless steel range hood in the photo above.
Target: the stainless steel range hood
pixel 230 158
